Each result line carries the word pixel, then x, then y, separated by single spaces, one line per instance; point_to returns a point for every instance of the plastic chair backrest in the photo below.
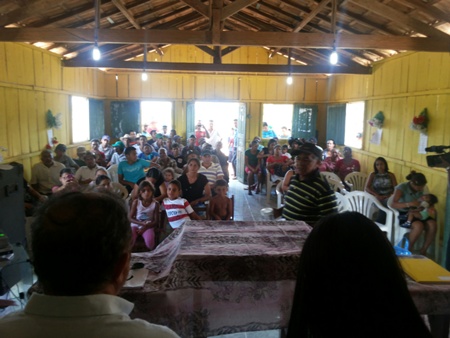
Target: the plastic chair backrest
pixel 367 204
pixel 269 185
pixel 342 202
pixel 329 175
pixel 112 170
pixel 120 190
pixel 280 195
pixel 357 180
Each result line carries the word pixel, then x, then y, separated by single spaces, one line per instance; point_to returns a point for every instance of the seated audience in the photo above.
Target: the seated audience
pixel 131 170
pixel 81 151
pixel 106 148
pixel 220 206
pixel 118 155
pixel 68 182
pixel 61 157
pixel 285 151
pixel 155 177
pixel 381 181
pixel 148 153
pixel 252 167
pixel 45 174
pixel 309 197
pixel 406 197
pixel 194 186
pixel 100 158
pixel 277 164
pixel 347 165
pixel 86 174
pixel 179 160
pixel 329 163
pixel 191 147
pixel 212 171
pixel 178 209
pixel 350 284
pixel 164 161
pixel 81 256
pixel 144 215
pixel 103 183
pixel 328 150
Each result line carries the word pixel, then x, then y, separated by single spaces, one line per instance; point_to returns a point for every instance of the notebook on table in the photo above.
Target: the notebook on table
pixel 424 270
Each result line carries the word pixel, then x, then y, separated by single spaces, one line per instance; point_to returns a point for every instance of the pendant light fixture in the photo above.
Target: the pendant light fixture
pixel 96 55
pixel 144 75
pixel 334 57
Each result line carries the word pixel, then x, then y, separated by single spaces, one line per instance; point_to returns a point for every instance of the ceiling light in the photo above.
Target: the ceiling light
pixel 289 80
pixel 111 21
pixel 334 58
pixel 96 55
pixel 144 76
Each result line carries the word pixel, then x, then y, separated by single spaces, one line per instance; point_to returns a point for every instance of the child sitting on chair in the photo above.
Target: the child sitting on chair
pixel 178 209
pixel 144 215
pixel 425 212
pixel 220 206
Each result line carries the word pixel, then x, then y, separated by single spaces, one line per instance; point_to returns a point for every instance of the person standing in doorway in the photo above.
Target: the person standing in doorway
pixel 233 146
pixel 214 135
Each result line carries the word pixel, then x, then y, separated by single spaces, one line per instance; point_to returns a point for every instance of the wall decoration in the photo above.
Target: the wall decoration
pixel 53 121
pixel 420 122
pixel 377 121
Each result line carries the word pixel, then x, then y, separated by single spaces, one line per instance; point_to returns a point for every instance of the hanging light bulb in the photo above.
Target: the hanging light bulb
pixel 96 55
pixel 144 76
pixel 289 80
pixel 334 57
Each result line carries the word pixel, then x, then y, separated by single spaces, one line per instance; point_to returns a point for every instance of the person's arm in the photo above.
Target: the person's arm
pixel 393 179
pixel 163 191
pixel 402 205
pixel 287 180
pixel 212 208
pixel 229 208
pixel 206 195
pixel 124 182
pixel 133 214
pixel 193 215
pixel 206 131
pixel 369 183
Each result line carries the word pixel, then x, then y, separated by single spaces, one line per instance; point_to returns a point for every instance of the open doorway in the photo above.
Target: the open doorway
pixel 222 114
pixel 155 114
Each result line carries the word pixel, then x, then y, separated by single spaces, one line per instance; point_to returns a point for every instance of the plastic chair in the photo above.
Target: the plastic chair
pixel 120 190
pixel 112 170
pixel 334 181
pixel 367 204
pixel 342 202
pixel 400 232
pixel 269 185
pixel 280 195
pixel 356 180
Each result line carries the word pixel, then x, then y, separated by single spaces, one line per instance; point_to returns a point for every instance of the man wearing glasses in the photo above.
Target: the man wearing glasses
pixel 309 197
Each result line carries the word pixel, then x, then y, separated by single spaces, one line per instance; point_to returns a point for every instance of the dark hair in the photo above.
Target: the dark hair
pixel 265 124
pixel 349 149
pixel 418 179
pixel 284 146
pixel 128 150
pixel 77 241
pixel 65 171
pixel 61 147
pixel 174 145
pixel 272 140
pixel 433 199
pixel 221 183
pixel 100 178
pixel 144 184
pixel 196 161
pixel 88 153
pixel 382 159
pixel 177 183
pixel 350 284
pixel 154 173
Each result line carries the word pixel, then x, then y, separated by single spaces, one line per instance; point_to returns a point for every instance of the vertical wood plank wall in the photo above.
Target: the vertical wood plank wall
pixel 401 88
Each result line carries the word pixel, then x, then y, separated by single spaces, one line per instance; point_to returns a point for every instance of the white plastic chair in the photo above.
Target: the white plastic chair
pixel 269 185
pixel 334 181
pixel 342 202
pixel 356 180
pixel 112 170
pixel 280 195
pixel 367 204
pixel 120 190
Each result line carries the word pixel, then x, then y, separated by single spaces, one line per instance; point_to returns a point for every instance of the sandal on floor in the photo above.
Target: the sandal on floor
pixel 406 225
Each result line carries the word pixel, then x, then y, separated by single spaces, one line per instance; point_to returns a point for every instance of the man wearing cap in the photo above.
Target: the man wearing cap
pixel 191 147
pixel 105 148
pixel 81 151
pixel 309 196
pixel 212 171
pixel 126 139
pixel 118 155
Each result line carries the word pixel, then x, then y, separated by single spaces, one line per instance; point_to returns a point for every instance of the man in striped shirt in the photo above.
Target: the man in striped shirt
pixel 212 171
pixel 309 197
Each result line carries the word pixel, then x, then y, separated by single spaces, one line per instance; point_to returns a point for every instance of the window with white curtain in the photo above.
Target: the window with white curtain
pixel 354 124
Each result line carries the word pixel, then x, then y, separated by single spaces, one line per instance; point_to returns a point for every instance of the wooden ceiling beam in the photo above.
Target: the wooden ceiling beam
pixel 400 18
pixel 179 37
pixel 198 6
pixel 235 7
pixel 429 10
pixel 210 67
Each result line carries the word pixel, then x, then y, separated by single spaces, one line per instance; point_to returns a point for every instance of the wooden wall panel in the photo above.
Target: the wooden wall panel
pixel 13 122
pixel 27 66
pixel 3 64
pixel 26 104
pixel 4 141
pixel 39 73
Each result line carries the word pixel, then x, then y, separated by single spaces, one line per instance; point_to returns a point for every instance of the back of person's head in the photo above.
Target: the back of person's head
pixel 418 179
pixel 154 173
pixel 350 284
pixel 78 240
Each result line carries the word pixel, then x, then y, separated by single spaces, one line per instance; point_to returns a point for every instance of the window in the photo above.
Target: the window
pixel 345 123
pixel 354 124
pixel 155 114
pixel 277 120
pixel 80 119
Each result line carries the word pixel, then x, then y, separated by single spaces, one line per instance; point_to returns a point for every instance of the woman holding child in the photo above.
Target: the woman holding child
pixel 406 198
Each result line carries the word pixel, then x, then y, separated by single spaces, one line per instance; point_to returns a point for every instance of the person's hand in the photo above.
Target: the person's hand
pixel 194 203
pixel 414 204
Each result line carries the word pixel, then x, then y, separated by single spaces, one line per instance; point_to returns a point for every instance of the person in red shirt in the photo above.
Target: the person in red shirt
pixel 347 165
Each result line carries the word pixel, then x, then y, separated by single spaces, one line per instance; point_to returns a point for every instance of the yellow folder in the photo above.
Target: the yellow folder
pixel 424 270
